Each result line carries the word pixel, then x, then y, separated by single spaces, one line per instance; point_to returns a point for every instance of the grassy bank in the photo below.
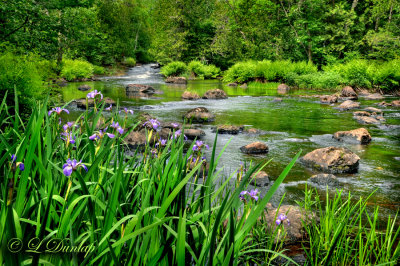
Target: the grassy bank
pixel 74 182
pixel 367 74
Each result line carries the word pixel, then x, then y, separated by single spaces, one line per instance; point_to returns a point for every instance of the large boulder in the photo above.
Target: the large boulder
pixel 374 96
pixel 199 114
pixel 139 88
pixel 215 94
pixel 396 103
pixel 348 92
pixel 193 133
pixel 228 129
pixel 84 87
pixel 324 180
pixel 260 179
pixel 332 160
pixel 347 105
pixel 176 80
pixel 360 135
pixel 329 99
pixel 255 148
pixel 283 89
pixel 81 103
pixel 187 95
pixel 293 226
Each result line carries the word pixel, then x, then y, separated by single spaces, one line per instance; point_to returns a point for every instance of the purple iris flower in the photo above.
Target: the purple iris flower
pixel 20 165
pixel 93 94
pixel 126 111
pixel 254 194
pixel 242 194
pixel 175 125
pixel 154 123
pixel 161 142
pixel 109 108
pixel 72 165
pixel 199 145
pixel 117 127
pixel 177 134
pixel 67 126
pixel 281 218
pixel 68 137
pixel 101 134
pixel 57 110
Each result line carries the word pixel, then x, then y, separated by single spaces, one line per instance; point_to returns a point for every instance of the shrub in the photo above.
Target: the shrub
pixel 129 61
pixel 386 75
pixel 241 72
pixel 320 80
pixel 354 73
pixel 175 68
pixel 76 69
pixel 99 70
pixel 200 70
pixel 21 72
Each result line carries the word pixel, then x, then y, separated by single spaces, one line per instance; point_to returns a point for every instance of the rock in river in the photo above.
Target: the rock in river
pixel 139 88
pixel 260 180
pixel 396 103
pixel 360 135
pixel 215 94
pixel 349 92
pixel 329 99
pixel 283 89
pixel 193 133
pixel 187 95
pixel 84 87
pixel 199 114
pixel 332 160
pixel 232 84
pixel 324 180
pixel 367 120
pixel 374 110
pixel 347 105
pixel 176 80
pixel 361 113
pixel 228 129
pixel 255 148
pixel 374 96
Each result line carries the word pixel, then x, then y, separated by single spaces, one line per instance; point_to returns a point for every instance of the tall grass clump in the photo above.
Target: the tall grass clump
pixel 200 70
pixel 76 69
pixel 129 61
pixel 173 69
pixel 72 184
pixel 355 73
pixel 348 234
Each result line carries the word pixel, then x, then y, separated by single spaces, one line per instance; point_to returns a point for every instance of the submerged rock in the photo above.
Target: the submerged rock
pixel 199 114
pixel 215 94
pixel 253 131
pixel 361 113
pixel 374 96
pixel 176 80
pixel 348 92
pixel 277 100
pixel 329 99
pixel 360 135
pixel 84 87
pixel 384 104
pixel 293 226
pixel 255 148
pixel 81 103
pixel 228 129
pixel 243 86
pixel 139 88
pixel 324 180
pixel 192 133
pixel 260 180
pixel 332 160
pixel 367 120
pixel 396 103
pixel 233 84
pixel 187 95
pixel 283 89
pixel 373 110
pixel 347 105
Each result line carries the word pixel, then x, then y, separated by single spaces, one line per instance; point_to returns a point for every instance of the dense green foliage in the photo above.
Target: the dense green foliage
pixel 370 74
pixel 76 69
pixel 195 68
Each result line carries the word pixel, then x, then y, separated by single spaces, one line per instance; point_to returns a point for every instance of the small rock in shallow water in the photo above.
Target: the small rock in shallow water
pixel 232 84
pixel 360 135
pixel 192 133
pixel 374 96
pixel 332 160
pixel 187 95
pixel 283 89
pixel 347 105
pixel 215 94
pixel 199 114
pixel 84 87
pixel 361 113
pixel 260 180
pixel 255 148
pixel 396 103
pixel 348 92
pixel 324 180
pixel 329 99
pixel 366 120
pixel 228 129
pixel 176 80
pixel 373 110
pixel 277 100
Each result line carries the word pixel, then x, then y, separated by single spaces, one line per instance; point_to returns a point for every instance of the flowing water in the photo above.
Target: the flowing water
pixel 288 126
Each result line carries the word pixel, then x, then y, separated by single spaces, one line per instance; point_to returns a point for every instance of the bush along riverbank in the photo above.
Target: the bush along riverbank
pixel 194 70
pixel 366 74
pixel 162 203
